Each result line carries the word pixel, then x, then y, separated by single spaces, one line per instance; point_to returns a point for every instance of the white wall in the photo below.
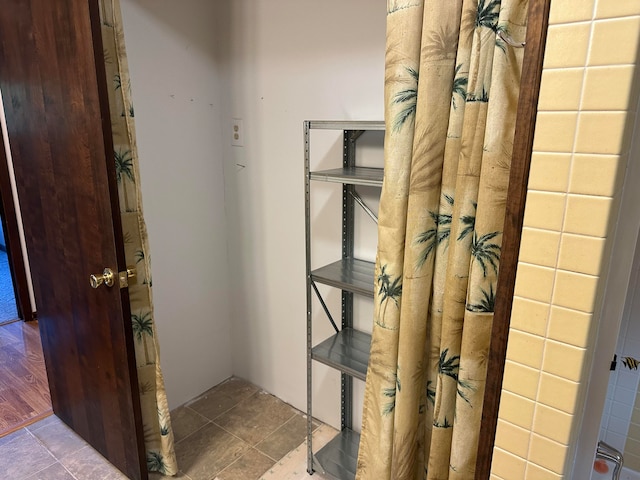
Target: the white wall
pixel 195 65
pixel 286 61
pixel 176 83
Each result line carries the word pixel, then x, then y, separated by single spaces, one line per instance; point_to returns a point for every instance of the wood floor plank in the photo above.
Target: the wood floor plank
pixel 24 390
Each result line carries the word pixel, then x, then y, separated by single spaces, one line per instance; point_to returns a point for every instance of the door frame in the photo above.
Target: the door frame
pixel 11 224
pixel 537 26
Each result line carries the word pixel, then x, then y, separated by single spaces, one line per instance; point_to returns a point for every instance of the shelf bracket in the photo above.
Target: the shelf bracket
pixel 354 134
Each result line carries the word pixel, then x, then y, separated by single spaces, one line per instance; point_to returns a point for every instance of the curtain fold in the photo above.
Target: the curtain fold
pixel 451 92
pixel 158 435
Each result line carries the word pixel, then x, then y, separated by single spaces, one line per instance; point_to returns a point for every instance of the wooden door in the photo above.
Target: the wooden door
pixel 55 98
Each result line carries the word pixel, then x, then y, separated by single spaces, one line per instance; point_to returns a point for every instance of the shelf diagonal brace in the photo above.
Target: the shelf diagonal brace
pixel 364 206
pixel 324 306
pixel 354 134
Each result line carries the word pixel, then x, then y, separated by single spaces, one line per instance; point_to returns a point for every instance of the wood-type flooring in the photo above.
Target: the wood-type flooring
pixel 24 390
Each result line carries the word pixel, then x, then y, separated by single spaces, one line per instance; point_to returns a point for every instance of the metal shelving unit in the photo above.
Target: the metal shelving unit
pixel 348 349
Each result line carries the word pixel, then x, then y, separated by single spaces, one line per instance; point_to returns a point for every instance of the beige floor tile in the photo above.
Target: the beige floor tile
pixel 294 465
pixel 256 418
pixel 86 464
pixel 222 398
pixel 208 451
pixel 204 449
pixel 59 439
pixel 286 438
pixel 186 421
pixel 23 456
pixel 250 466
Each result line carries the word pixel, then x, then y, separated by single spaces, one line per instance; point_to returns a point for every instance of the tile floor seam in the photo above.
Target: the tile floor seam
pixel 220 414
pixel 67 470
pixel 273 433
pixel 304 416
pixel 275 460
pixel 228 410
pixel 233 434
pixel 229 433
pixel 254 446
pixel 194 432
pixel 66 453
pixel 43 446
pixel 39 471
pixel 250 460
pixel 240 457
pixel 279 427
pixel 282 425
pixel 55 460
pixel 180 472
pixel 199 414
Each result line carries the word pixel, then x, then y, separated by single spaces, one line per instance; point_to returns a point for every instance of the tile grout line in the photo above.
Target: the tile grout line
pixel 245 441
pixel 212 422
pixel 253 447
pixel 232 434
pixel 249 447
pixel 71 431
pixel 238 459
pixel 304 416
pixel 221 413
pixel 194 432
pixel 208 420
pixel 55 460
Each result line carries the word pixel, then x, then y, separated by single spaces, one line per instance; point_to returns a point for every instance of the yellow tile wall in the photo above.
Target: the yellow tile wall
pixel 586 107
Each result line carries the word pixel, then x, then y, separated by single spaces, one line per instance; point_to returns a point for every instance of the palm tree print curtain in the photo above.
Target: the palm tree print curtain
pixel 451 92
pixel 158 435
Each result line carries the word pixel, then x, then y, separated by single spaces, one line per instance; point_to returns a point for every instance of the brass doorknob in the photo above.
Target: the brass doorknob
pixel 123 277
pixel 107 277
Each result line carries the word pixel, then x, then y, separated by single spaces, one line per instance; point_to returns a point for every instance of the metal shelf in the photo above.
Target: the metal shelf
pixel 348 274
pixel 347 351
pixel 339 457
pixel 346 125
pixel 351 175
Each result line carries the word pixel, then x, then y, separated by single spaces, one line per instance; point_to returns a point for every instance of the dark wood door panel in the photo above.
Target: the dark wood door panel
pixel 51 87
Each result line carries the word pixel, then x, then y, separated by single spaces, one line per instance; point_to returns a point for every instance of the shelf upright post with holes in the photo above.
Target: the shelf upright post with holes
pixel 347 350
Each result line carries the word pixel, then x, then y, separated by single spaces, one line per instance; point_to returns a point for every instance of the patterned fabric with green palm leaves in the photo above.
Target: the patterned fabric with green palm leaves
pixel 451 92
pixel 158 435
